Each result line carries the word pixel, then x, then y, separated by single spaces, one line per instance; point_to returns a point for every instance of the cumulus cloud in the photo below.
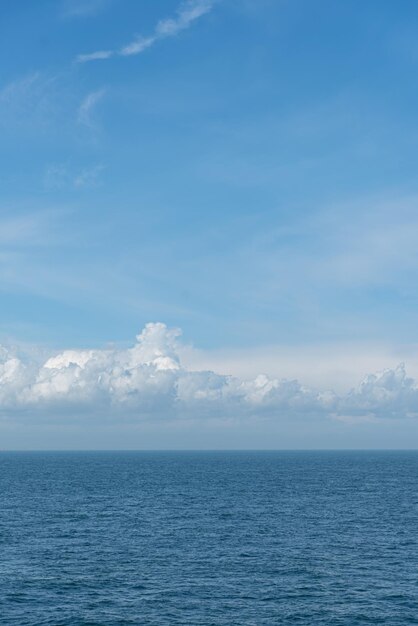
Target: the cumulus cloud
pixel 187 13
pixel 390 393
pixel 149 381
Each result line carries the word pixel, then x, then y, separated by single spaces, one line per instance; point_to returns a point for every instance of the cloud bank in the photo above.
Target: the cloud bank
pixel 188 12
pixel 149 381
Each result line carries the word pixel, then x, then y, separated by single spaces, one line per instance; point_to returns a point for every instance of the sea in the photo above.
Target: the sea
pixel 208 538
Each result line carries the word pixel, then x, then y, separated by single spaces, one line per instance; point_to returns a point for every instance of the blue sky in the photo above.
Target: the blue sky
pixel 244 170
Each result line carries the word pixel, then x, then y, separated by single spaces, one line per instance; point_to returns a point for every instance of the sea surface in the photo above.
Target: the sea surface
pixel 208 538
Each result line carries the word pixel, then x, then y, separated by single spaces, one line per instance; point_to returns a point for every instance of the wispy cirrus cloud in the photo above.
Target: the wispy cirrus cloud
pixel 24 230
pixel 27 96
pixel 89 177
pixel 37 99
pixel 187 13
pixel 60 176
pixel 100 55
pixel 87 106
pixel 82 8
pixel 19 88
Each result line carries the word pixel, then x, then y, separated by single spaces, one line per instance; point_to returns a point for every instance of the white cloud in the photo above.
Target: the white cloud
pixel 82 8
pixel 60 176
pixel 187 13
pixel 22 230
pixel 88 177
pixel 137 46
pixel 88 105
pixel 56 176
pixel 391 393
pixel 18 88
pixel 27 97
pixel 150 381
pixel 37 100
pixel 100 55
pixel 339 365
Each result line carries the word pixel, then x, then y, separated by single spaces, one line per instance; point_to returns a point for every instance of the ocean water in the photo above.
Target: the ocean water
pixel 240 538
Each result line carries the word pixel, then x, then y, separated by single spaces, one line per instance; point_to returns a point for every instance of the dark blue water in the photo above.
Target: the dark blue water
pixel 208 538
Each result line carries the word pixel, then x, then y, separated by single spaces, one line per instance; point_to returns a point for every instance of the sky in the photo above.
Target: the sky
pixel 208 224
